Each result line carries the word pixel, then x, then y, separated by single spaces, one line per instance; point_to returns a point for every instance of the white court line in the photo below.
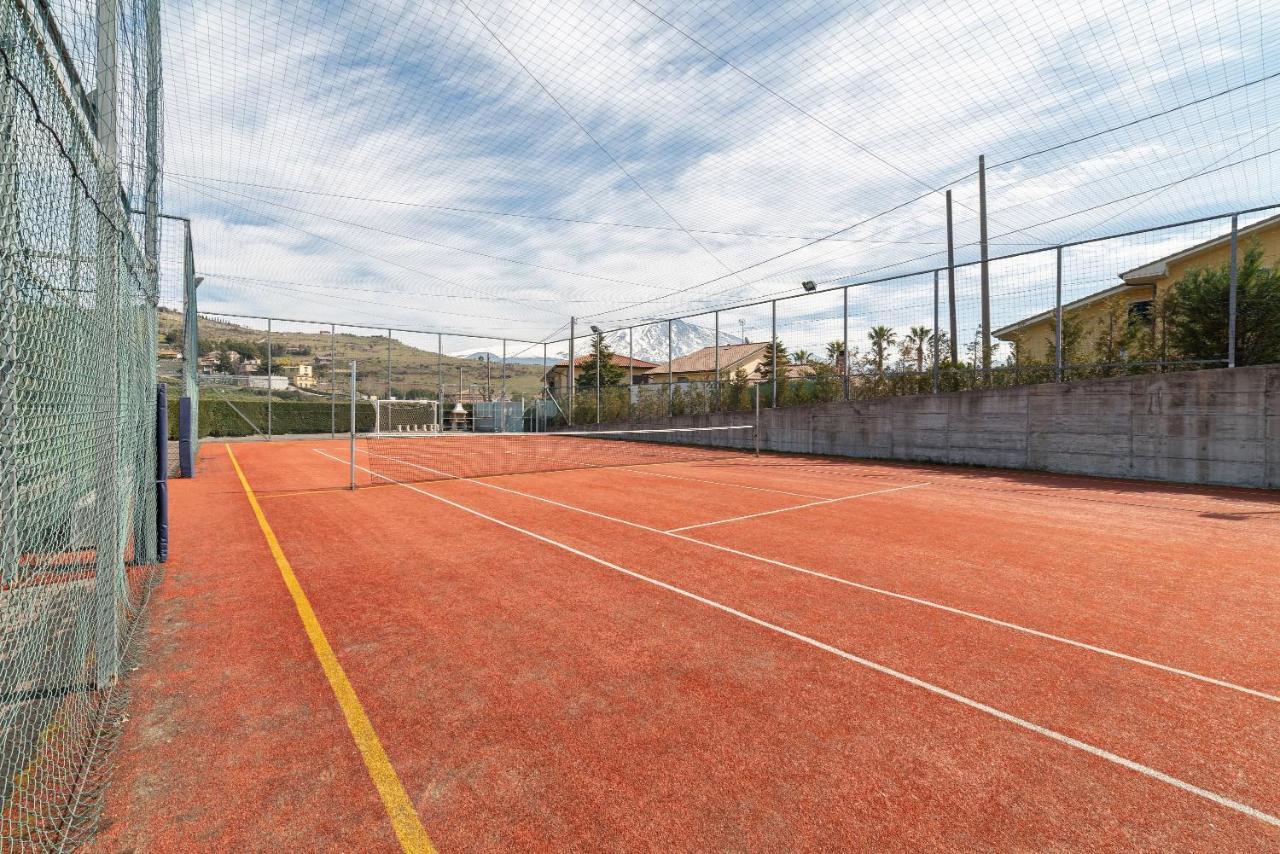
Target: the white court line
pixel 797 507
pixel 1092 750
pixel 903 597
pixel 716 482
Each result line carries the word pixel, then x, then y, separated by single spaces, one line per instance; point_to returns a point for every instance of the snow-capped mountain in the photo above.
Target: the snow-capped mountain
pixel 650 342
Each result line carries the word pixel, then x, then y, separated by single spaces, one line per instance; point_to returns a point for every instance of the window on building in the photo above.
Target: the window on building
pixel 1141 313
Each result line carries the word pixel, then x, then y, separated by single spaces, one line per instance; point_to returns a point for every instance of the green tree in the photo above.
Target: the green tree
pixel 610 374
pixel 1196 311
pixel 766 366
pixel 801 357
pixel 942 341
pixel 881 338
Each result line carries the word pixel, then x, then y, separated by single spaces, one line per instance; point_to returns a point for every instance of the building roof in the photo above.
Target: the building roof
pixel 1159 268
pixel 731 355
pixel 1092 298
pixel 620 361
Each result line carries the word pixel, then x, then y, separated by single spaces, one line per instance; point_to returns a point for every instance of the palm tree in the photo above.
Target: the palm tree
pixel 914 344
pixel 881 338
pixel 801 357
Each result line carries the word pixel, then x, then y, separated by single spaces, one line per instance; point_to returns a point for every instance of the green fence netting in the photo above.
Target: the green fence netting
pixel 77 438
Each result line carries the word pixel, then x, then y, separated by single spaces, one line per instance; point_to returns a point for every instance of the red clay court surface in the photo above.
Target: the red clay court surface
pixel 939 658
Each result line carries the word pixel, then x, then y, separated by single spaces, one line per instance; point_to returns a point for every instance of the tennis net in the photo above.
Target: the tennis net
pixel 406 458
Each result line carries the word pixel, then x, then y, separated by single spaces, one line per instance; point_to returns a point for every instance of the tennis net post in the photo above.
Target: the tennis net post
pixel 352 443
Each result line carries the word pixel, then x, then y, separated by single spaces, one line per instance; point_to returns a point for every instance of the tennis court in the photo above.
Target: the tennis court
pixel 502 642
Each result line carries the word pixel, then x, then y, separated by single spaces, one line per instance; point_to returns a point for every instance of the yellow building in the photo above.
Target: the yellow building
pixel 300 376
pixel 1133 299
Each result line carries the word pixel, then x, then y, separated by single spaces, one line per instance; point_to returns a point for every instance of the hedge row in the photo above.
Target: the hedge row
pixel 217 418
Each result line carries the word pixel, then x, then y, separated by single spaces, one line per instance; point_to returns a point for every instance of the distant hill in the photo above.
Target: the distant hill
pixel 414 371
pixel 479 356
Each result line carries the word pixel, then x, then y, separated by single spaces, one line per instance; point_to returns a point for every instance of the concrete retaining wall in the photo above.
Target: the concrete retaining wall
pixel 1213 427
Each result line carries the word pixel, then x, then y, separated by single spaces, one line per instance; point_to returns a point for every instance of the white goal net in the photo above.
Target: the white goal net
pixel 406 416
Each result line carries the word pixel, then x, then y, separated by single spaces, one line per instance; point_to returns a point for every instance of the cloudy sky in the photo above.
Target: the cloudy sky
pixel 496 167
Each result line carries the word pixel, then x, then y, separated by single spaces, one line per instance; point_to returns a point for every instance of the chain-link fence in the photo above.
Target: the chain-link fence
pixel 78 525
pixel 1195 294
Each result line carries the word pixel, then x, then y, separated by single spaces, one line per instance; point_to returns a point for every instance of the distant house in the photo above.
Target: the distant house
pixel 700 365
pixel 168 353
pixel 248 366
pixel 1138 291
pixel 558 374
pixel 300 376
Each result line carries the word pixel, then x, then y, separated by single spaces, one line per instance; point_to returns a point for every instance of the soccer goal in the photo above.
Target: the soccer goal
pixel 406 416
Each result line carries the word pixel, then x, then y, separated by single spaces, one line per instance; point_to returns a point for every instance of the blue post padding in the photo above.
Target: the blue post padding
pixel 186 464
pixel 162 472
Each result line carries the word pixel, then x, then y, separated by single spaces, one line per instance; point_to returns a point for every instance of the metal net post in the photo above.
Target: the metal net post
pixel 503 394
pixel 844 339
pixel 190 347
pixel 270 380
pixel 333 381
pixel 951 285
pixel 935 329
pixel 1058 361
pixel 773 350
pixel 573 369
pixel 110 546
pixel 352 441
pixel 671 387
pixel 599 345
pixel 716 346
pixel 9 549
pixel 1232 290
pixel 984 250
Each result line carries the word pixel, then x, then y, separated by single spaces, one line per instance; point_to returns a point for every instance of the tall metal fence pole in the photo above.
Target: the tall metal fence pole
pixel 986 269
pixel 333 381
pixel 109 552
pixel 598 344
pixel 716 347
pixel 190 354
pixel 269 380
pixel 440 378
pixel 671 385
pixel 503 395
pixel 388 394
pixel 540 420
pixel 9 437
pixel 631 370
pixel 773 350
pixel 1059 360
pixel 935 330
pixel 1232 290
pixel 844 346
pixel 951 284
pixel 573 369
pixel 352 441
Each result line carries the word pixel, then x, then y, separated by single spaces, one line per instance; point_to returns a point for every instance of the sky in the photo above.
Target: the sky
pixel 495 167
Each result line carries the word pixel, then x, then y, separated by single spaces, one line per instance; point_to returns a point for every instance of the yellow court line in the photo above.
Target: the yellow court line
pixel 404 818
